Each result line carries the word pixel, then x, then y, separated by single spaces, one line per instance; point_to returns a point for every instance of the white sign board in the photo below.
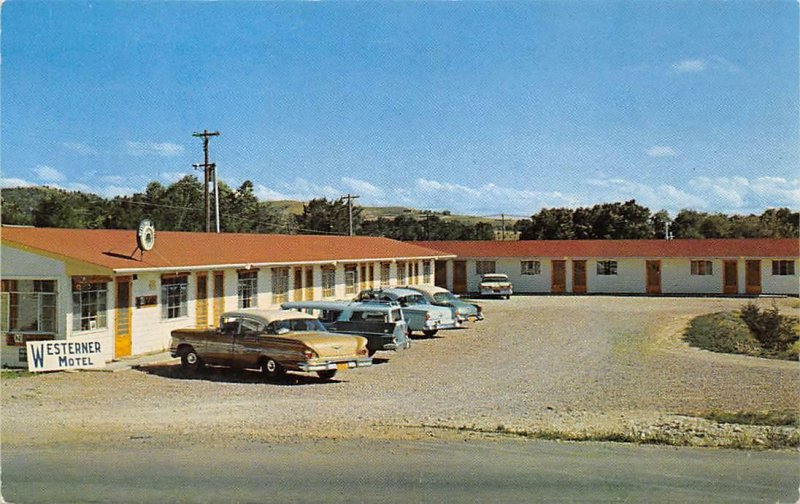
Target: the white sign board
pixel 60 355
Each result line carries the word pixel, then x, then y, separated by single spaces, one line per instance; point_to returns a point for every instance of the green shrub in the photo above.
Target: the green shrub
pixel 722 332
pixel 772 329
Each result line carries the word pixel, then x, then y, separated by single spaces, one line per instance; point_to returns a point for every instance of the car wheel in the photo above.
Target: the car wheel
pixel 191 361
pixel 272 369
pixel 430 332
pixel 370 352
pixel 327 374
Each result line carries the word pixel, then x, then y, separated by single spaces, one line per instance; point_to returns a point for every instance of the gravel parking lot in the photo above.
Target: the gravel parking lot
pixel 574 367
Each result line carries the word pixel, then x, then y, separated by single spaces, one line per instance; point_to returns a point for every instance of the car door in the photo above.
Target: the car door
pixel 247 345
pixel 414 315
pixel 219 343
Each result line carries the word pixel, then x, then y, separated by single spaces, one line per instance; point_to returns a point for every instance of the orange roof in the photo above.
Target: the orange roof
pixel 756 247
pixel 116 249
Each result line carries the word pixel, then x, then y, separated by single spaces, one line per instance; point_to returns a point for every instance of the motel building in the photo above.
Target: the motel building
pixel 87 285
pixel 690 267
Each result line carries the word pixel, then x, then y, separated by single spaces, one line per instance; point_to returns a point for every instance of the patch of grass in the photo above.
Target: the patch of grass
pixel 771 418
pixel 722 332
pixel 9 374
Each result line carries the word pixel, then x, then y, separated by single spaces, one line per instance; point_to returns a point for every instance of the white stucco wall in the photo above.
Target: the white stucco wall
pixel 779 284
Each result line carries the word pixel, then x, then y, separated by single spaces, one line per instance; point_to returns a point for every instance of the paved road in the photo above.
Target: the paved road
pixel 398 471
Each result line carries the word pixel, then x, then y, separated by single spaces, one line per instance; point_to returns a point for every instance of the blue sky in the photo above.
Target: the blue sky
pixel 475 107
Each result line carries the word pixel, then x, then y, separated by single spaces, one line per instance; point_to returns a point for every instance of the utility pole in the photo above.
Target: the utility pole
pixel 350 198
pixel 503 225
pixel 209 173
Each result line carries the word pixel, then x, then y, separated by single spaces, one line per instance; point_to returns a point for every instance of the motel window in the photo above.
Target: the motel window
pixel 385 272
pixel 701 268
pixel 28 306
pixel 174 297
pixel 89 304
pixel 783 268
pixel 426 272
pixel 328 281
pixel 247 289
pixel 350 278
pixel 606 267
pixel 280 286
pixel 484 267
pixel 530 268
pixel 401 273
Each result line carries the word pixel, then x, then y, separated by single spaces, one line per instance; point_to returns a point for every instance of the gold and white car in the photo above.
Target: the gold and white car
pixel 274 341
pixel 496 284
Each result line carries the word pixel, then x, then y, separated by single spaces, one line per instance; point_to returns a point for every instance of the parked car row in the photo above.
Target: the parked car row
pixel 322 336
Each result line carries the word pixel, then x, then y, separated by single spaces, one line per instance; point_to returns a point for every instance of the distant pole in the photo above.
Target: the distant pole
pixel 209 172
pixel 503 225
pixel 350 198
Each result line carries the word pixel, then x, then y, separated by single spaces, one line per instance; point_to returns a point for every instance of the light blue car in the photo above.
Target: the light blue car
pixel 420 314
pixel 381 323
pixel 439 296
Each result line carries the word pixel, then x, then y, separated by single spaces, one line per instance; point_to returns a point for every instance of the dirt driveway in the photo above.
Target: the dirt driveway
pixel 571 367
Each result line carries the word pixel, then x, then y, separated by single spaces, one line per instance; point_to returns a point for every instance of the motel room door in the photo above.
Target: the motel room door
pixel 752 276
pixel 579 277
pixel 122 323
pixel 730 277
pixel 298 284
pixel 201 300
pixel 653 277
pixel 558 279
pixel 219 296
pixel 460 277
pixel 440 274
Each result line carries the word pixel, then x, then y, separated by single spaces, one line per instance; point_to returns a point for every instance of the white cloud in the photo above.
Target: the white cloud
pixel 363 187
pixel 740 194
pixel 653 197
pixel 48 173
pixel 689 66
pixel 7 183
pixel 484 199
pixel 80 148
pixel 113 179
pixel 172 177
pixel 152 148
pixel 661 151
pixel 265 193
pixel 299 189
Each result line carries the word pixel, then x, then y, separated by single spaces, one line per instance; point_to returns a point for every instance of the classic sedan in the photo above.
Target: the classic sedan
pixel 443 297
pixel 420 315
pixel 496 284
pixel 274 341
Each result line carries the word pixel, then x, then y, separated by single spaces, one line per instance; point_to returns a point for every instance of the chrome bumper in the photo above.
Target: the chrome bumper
pixel 328 365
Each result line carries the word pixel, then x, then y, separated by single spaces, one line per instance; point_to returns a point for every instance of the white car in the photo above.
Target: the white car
pixel 496 284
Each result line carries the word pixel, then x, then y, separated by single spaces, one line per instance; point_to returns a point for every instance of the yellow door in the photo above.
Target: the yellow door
pixel 201 300
pixel 309 284
pixel 219 296
pixel 122 326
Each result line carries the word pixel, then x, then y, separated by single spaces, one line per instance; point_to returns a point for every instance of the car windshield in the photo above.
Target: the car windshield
pixel 302 325
pixel 443 297
pixel 413 299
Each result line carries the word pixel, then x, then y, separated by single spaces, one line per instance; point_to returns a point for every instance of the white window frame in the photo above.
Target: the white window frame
pixel 174 297
pixel 485 267
pixel 90 307
pixel 46 305
pixel 350 279
pixel 783 267
pixel 280 285
pixel 247 289
pixel 426 272
pixel 328 281
pixel 607 268
pixel 386 273
pixel 530 267
pixel 401 273
pixel 701 267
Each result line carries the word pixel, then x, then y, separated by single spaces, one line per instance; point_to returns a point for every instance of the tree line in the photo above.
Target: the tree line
pixel 629 220
pixel 179 207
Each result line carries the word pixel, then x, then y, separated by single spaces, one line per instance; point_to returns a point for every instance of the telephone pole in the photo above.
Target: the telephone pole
pixel 503 225
pixel 209 173
pixel 350 198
